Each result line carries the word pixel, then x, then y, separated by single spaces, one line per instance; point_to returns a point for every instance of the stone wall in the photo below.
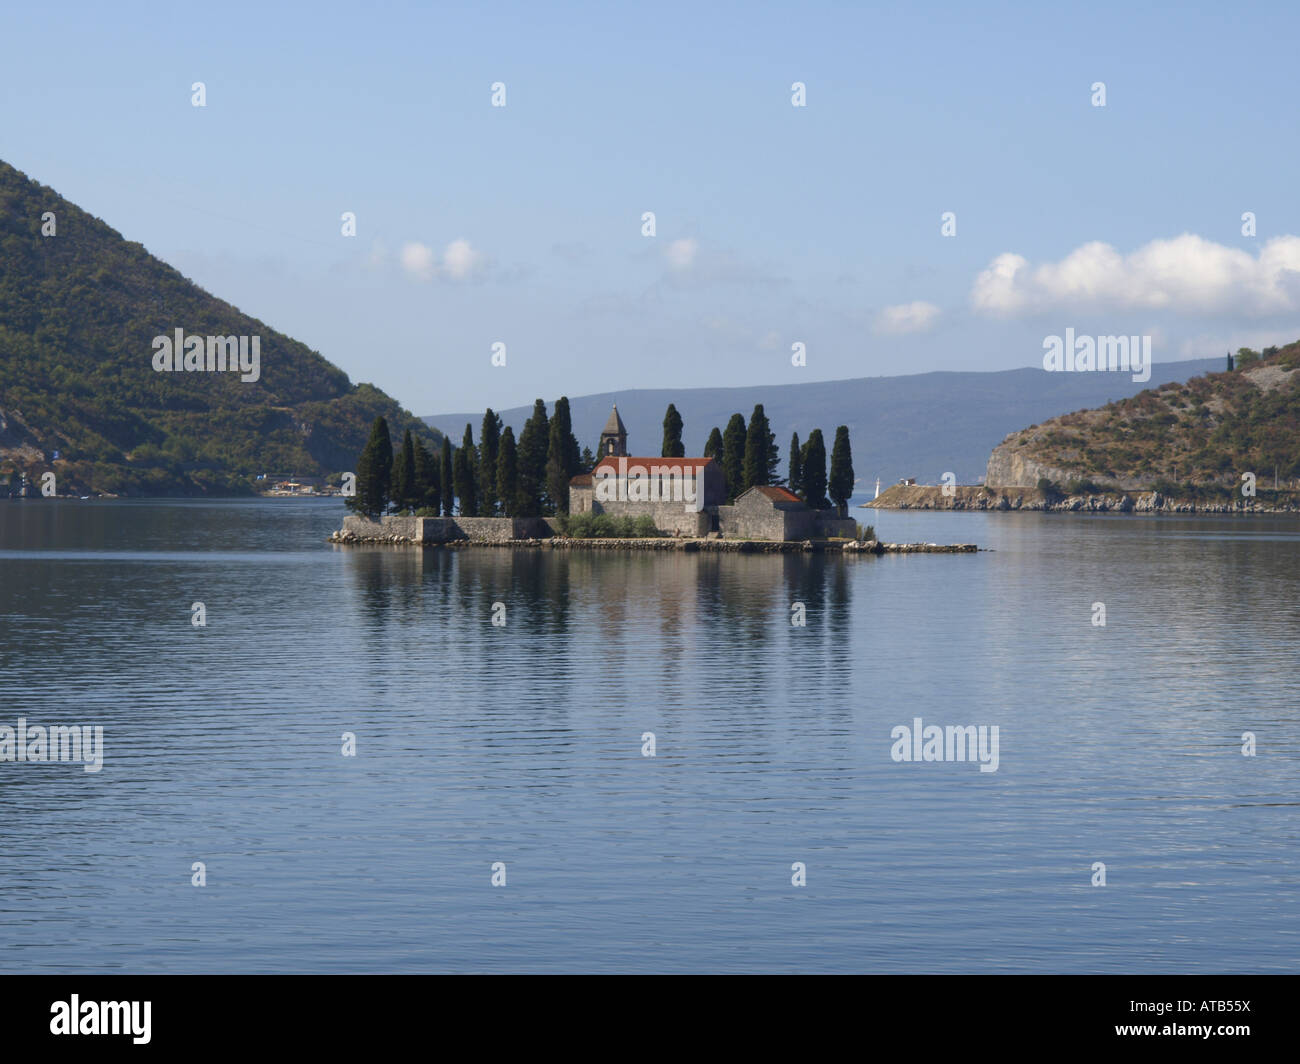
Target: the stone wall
pixel 830 526
pixel 745 523
pixel 671 518
pixel 446 529
pixel 753 522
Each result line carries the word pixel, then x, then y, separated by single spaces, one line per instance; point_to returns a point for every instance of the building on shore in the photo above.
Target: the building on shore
pixel 687 497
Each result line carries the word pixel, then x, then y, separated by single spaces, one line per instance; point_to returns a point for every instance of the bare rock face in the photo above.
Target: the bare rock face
pixel 1011 467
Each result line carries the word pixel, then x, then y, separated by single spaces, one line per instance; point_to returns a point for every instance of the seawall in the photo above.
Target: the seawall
pixel 543 533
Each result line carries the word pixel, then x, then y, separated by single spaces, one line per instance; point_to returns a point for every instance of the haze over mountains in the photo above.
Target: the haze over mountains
pixel 920 426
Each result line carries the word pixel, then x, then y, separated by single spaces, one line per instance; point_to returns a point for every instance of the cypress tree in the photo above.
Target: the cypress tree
pixel 672 447
pixel 466 483
pixel 563 460
pixel 426 477
pixel 713 448
pixel 533 443
pixel 572 455
pixel 404 475
pixel 840 483
pixel 733 455
pixel 761 455
pixel 488 447
pixel 508 473
pixel 796 467
pixel 588 459
pixel 374 472
pixel 814 471
pixel 446 478
pixel 461 477
pixel 557 479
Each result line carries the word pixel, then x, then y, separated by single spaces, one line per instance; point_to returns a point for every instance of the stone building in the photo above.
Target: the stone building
pixel 686 496
pixel 766 512
pixel 613 438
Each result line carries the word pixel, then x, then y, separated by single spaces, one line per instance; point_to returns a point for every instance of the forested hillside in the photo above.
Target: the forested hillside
pixel 79 309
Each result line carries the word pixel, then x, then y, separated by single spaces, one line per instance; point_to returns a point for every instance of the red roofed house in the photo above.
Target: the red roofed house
pixel 681 494
pixel 685 496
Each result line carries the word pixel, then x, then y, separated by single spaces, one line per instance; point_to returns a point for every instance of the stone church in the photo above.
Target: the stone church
pixel 687 496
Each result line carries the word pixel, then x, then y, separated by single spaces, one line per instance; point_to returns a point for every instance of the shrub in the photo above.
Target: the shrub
pixel 866 532
pixel 603 526
pixel 1087 486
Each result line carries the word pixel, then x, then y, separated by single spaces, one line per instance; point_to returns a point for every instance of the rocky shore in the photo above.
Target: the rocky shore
pixel 667 543
pixel 965 497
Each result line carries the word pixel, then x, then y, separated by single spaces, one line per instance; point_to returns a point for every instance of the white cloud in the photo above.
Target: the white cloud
pixel 1185 274
pixel 907 318
pixel 417 260
pixel 681 253
pixel 460 261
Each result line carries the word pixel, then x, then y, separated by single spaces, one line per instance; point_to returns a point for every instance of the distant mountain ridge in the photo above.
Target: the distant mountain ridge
pixel 908 426
pixel 79 310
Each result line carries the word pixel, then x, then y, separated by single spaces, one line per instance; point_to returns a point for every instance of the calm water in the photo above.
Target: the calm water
pixel 522 744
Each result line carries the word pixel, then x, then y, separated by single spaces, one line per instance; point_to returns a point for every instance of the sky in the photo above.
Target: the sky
pixel 774 224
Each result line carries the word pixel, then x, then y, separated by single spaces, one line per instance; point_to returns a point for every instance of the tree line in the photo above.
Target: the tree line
pixel 749 457
pixel 499 477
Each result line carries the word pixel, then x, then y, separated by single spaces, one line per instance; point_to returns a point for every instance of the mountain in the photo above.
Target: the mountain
pixel 79 313
pixel 1203 433
pixel 921 425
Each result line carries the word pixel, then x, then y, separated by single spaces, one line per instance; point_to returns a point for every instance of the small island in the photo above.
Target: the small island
pixel 534 494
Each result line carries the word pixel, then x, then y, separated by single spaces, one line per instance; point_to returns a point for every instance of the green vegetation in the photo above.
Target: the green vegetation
pixel 500 479
pixel 374 472
pixel 562 459
pixel 603 526
pixel 866 533
pixel 81 310
pixel 794 475
pixel 1197 436
pixel 673 447
pixel 1090 487
pixel 840 483
pixel 814 471
pixel 761 455
pixel 733 456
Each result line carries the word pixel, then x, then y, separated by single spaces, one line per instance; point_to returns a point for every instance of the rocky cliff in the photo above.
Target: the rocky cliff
pixel 1206 432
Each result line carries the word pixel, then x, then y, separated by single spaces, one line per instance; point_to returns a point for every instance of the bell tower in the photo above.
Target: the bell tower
pixel 613 440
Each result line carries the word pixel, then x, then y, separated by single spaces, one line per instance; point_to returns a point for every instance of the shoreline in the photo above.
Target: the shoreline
pixel 979 499
pixel 663 543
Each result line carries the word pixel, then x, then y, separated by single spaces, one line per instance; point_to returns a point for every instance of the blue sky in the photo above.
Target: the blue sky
pixel 774 224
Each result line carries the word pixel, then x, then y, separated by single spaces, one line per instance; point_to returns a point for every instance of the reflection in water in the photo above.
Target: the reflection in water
pixel 522 742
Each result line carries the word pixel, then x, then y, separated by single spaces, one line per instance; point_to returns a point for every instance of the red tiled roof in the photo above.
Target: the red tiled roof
pixel 582 480
pixel 779 494
pixel 613 460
